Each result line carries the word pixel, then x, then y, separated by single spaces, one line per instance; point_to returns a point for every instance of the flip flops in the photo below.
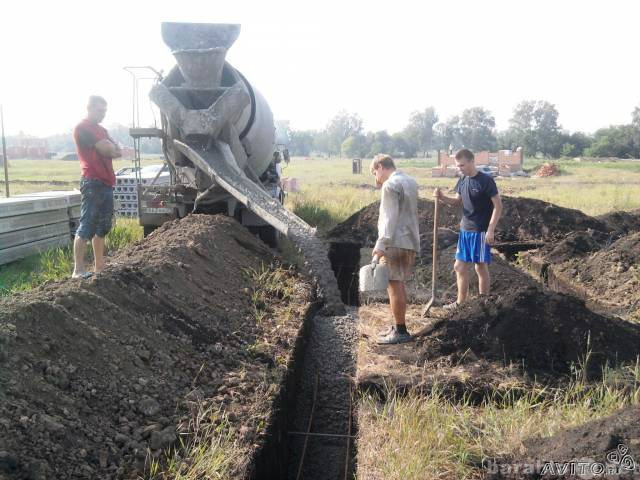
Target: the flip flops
pixel 83 275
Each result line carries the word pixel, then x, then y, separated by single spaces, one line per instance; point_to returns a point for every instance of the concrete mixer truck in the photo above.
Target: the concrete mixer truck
pixel 206 103
pixel 218 138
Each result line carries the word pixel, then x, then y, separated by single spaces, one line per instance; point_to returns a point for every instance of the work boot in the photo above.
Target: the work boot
pixel 394 337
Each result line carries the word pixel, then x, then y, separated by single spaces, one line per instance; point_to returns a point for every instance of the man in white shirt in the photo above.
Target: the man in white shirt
pixel 398 239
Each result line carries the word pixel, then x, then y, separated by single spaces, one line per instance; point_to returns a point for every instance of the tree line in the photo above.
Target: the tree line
pixel 533 126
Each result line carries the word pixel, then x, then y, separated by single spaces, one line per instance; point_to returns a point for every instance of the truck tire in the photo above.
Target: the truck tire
pixel 269 235
pixel 147 229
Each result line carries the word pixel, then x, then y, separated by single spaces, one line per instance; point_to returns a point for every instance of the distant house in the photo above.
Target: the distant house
pixel 24 146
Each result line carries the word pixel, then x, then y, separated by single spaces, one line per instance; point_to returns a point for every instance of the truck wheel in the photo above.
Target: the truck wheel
pixel 147 229
pixel 269 235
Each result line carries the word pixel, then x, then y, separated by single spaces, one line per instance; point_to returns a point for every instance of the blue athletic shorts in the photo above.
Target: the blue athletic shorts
pixel 473 248
pixel 96 210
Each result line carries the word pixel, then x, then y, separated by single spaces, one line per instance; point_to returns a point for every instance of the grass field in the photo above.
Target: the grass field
pixel 57 263
pixel 427 436
pixel 330 192
pixel 27 176
pixel 409 437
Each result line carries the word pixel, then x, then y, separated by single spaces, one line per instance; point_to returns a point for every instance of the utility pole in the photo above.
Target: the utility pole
pixel 4 155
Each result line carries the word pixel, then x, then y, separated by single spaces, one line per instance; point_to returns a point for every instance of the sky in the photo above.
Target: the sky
pixel 380 59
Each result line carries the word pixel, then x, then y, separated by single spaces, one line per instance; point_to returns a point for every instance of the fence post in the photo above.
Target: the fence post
pixel 4 154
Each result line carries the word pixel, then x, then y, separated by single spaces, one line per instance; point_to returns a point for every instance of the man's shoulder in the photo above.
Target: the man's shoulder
pixel 89 126
pixel 82 125
pixel 487 179
pixel 401 178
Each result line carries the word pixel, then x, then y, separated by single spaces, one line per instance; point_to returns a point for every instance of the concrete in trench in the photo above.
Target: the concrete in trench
pixel 330 354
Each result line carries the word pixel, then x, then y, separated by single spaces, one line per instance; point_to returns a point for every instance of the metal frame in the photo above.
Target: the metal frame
pixel 135 120
pixel 349 436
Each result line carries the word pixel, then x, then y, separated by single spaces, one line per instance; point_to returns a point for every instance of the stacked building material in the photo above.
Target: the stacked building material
pixel 548 170
pixel 125 192
pixel 34 222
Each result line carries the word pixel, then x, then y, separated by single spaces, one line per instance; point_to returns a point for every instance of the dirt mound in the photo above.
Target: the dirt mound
pixel 528 219
pixel 621 222
pixel 504 277
pixel 362 226
pixel 573 245
pixel 523 220
pixel 95 374
pixel 611 275
pixel 613 442
pixel 545 333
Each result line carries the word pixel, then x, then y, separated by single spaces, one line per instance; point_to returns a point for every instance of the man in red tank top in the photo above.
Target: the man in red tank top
pixel 96 150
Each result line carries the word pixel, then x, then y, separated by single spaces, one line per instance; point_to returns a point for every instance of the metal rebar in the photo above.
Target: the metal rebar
pixel 349 436
pixel 306 438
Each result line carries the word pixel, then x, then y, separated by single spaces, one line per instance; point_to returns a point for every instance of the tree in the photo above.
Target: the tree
pixel 420 128
pixel 341 127
pixel 635 118
pixel 575 144
pixel 615 141
pixel 448 134
pixel 477 129
pixel 283 132
pixel 321 142
pixel 635 123
pixel 402 146
pixel 301 142
pixel 382 143
pixel 535 127
pixel 355 146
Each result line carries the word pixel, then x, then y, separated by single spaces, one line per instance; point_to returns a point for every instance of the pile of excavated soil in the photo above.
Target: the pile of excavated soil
pixel 612 441
pixel 523 220
pixel 96 374
pixel 573 245
pixel 611 276
pixel 404 368
pixel 362 226
pixel 544 333
pixel 504 276
pixel 621 222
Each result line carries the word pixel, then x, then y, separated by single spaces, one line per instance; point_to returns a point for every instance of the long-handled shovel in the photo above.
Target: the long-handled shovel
pixel 434 269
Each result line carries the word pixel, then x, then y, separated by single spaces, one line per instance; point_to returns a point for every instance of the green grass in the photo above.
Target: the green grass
pixel 210 446
pixel 210 449
pixel 330 192
pixel 28 176
pixel 416 437
pixel 57 263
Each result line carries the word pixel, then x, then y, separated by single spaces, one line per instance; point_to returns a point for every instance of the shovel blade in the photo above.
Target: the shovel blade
pixel 427 307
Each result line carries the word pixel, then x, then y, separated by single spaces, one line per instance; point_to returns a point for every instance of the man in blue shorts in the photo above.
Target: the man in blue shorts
pixel 478 195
